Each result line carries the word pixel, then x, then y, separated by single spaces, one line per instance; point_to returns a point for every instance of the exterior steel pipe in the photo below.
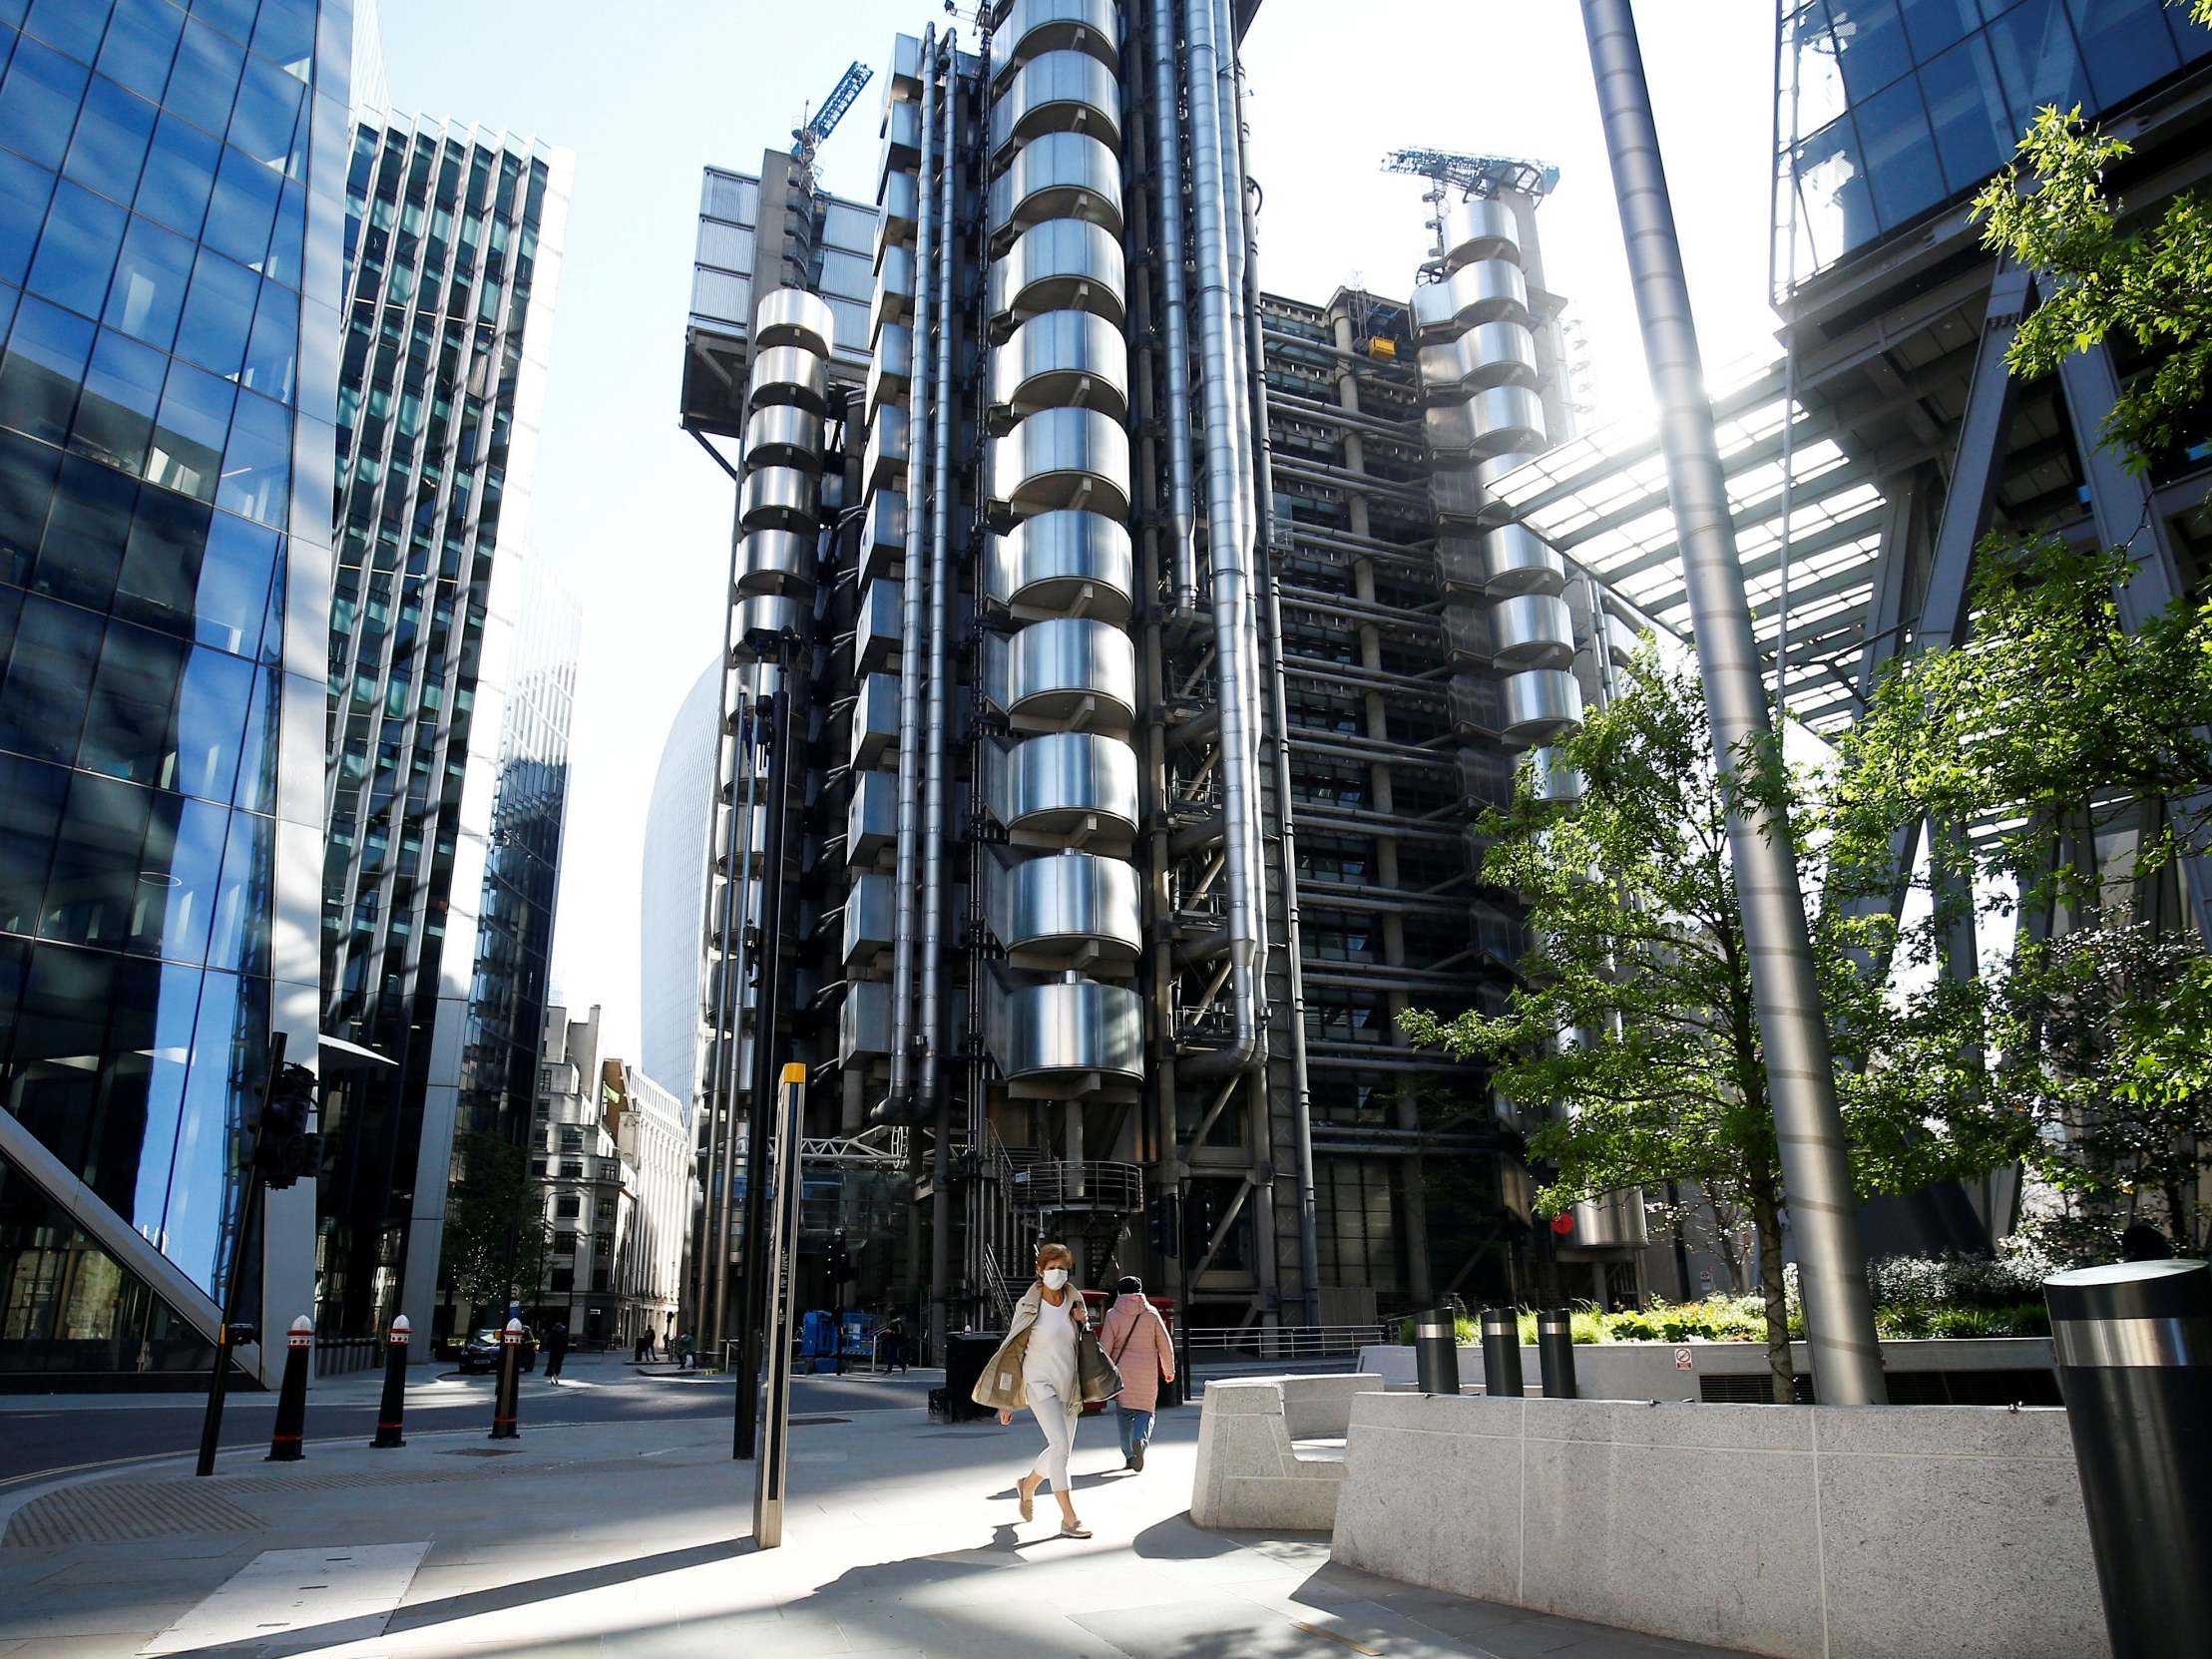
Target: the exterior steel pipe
pixel 1816 1167
pixel 1176 305
pixel 899 1103
pixel 934 1105
pixel 1229 536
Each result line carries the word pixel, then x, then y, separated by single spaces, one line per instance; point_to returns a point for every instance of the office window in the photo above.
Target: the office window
pixel 1900 155
pixel 77 250
pixel 140 45
pixel 1966 106
pixel 112 135
pixel 38 102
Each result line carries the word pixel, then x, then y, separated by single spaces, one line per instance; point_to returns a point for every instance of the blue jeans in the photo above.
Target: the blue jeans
pixel 1137 1429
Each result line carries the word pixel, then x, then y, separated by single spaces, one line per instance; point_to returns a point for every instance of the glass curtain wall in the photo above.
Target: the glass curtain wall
pixel 1889 109
pixel 169 232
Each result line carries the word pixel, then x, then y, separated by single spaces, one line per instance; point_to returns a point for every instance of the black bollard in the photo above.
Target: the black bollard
pixel 2133 1343
pixel 1436 1351
pixel 1502 1352
pixel 284 1441
pixel 505 1401
pixel 1556 1353
pixel 392 1411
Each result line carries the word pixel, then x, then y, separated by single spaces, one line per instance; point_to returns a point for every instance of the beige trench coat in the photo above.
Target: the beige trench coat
pixel 1000 1387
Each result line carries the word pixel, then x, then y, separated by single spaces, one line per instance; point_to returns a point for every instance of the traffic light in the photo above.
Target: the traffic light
pixel 283 1148
pixel 1165 1236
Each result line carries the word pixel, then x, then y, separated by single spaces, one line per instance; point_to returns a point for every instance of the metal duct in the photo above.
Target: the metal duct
pixel 1227 534
pixel 1167 141
pixel 899 1102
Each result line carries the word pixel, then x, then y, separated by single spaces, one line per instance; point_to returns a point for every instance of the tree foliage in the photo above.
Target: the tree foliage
pixel 2150 284
pixel 1633 1032
pixel 497 1237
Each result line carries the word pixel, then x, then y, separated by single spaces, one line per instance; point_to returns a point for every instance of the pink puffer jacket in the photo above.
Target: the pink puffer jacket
pixel 1135 1339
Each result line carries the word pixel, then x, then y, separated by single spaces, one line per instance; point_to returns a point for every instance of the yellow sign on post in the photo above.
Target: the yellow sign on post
pixel 793 1072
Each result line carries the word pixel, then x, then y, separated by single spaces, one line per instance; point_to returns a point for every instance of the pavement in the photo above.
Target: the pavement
pixel 630 1535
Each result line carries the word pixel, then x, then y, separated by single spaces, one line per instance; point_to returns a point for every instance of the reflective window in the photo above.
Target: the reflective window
pixel 72 25
pixel 77 254
pixel 31 796
pixel 134 693
pixel 180 173
pixel 90 889
pixel 1931 25
pixel 84 534
pixel 112 136
pixel 142 44
pixel 26 488
pixel 179 869
pixel 204 81
pixel 285 34
pixel 47 350
pixel 160 574
pixel 2036 61
pixel 1966 104
pixel 151 278
pixel 244 204
pixel 209 730
pixel 267 114
pixel 272 355
pixel 1901 160
pixel 234 17
pixel 1870 44
pixel 189 433
pixel 219 315
pixel 287 244
pixel 2122 45
pixel 38 102
pixel 115 416
pixel 25 188
pixel 257 467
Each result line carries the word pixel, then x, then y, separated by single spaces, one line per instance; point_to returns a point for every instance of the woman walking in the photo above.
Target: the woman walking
pixel 1036 1367
pixel 1135 1340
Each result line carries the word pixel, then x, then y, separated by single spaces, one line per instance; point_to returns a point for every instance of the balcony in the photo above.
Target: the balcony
pixel 1057 1187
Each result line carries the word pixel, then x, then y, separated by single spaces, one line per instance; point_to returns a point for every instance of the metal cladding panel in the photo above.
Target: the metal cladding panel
pixel 877 629
pixel 1069 671
pixel 1058 176
pixel 1517 561
pixel 789 374
pixel 785 435
pixel 875 722
pixel 1488 471
pixel 1507 418
pixel 1533 631
pixel 1460 563
pixel 1067 562
pixel 1062 358
pixel 900 201
pixel 885 461
pixel 1550 776
pixel 1447 427
pixel 1621 640
pixel 1433 310
pixel 775 562
pixel 1061 264
pixel 902 134
pixel 1058 91
pixel 1063 458
pixel 1068 904
pixel 1490 290
pixel 1481 228
pixel 792 317
pixel 1542 703
pixel 872 818
pixel 777 498
pixel 868 918
pixel 762 620
pixel 1033 27
pixel 1486 780
pixel 864 1021
pixel 1057 781
pixel 893 300
pixel 1477 705
pixel 1078 1026
pixel 1455 493
pixel 891 369
pixel 883 546
pixel 1615 1219
pixel 1497 354
pixel 1468 632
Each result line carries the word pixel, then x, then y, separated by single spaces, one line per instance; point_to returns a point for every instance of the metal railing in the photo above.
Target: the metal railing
pixel 1056 1185
pixel 1284 1342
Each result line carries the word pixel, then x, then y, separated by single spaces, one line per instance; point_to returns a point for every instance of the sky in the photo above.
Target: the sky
pixel 632 519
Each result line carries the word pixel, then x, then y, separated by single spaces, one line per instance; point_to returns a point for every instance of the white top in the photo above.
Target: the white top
pixel 1050 1360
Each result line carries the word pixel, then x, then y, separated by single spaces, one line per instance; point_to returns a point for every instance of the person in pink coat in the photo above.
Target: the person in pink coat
pixel 1135 1340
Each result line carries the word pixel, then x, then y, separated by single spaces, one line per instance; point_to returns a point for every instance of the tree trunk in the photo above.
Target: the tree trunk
pixel 1725 1245
pixel 1766 1217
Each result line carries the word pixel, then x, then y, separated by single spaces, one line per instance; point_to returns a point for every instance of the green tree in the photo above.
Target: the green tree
pixel 1632 1033
pixel 497 1237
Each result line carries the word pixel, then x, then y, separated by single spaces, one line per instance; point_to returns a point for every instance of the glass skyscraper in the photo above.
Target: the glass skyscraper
pixel 671 895
pixel 171 225
pixel 449 683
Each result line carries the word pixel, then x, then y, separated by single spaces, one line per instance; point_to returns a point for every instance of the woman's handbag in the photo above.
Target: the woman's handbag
pixel 1097 1377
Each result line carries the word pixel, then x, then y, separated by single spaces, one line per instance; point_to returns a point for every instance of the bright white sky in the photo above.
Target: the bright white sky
pixel 635 520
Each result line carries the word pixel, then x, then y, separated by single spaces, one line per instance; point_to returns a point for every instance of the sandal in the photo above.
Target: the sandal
pixel 1066 1531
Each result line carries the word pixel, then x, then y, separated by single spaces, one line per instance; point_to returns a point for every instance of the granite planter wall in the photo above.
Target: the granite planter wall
pixel 1825 1533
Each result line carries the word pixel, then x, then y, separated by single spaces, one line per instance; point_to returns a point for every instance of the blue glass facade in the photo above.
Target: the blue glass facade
pixel 170 215
pixel 448 685
pixel 1891 108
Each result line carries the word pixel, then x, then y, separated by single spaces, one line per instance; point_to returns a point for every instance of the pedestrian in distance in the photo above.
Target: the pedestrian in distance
pixel 1135 1340
pixel 556 1350
pixel 894 1344
pixel 683 1350
pixel 1037 1365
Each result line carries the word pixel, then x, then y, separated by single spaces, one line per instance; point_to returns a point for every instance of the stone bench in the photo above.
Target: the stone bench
pixel 1271 1450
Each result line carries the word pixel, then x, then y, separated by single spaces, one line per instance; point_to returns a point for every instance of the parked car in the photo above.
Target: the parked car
pixel 481 1352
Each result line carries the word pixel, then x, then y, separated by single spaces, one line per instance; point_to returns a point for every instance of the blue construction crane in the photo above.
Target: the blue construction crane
pixel 808 138
pixel 1475 174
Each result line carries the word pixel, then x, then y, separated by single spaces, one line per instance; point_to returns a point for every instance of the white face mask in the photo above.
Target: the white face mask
pixel 1055 1277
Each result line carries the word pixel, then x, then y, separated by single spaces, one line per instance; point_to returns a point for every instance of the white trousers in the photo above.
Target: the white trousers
pixel 1058 1418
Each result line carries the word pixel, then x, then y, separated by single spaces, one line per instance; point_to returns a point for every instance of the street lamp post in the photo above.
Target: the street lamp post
pixel 1816 1167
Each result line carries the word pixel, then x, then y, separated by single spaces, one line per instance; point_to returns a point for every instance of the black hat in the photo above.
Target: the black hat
pixel 1128 1284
